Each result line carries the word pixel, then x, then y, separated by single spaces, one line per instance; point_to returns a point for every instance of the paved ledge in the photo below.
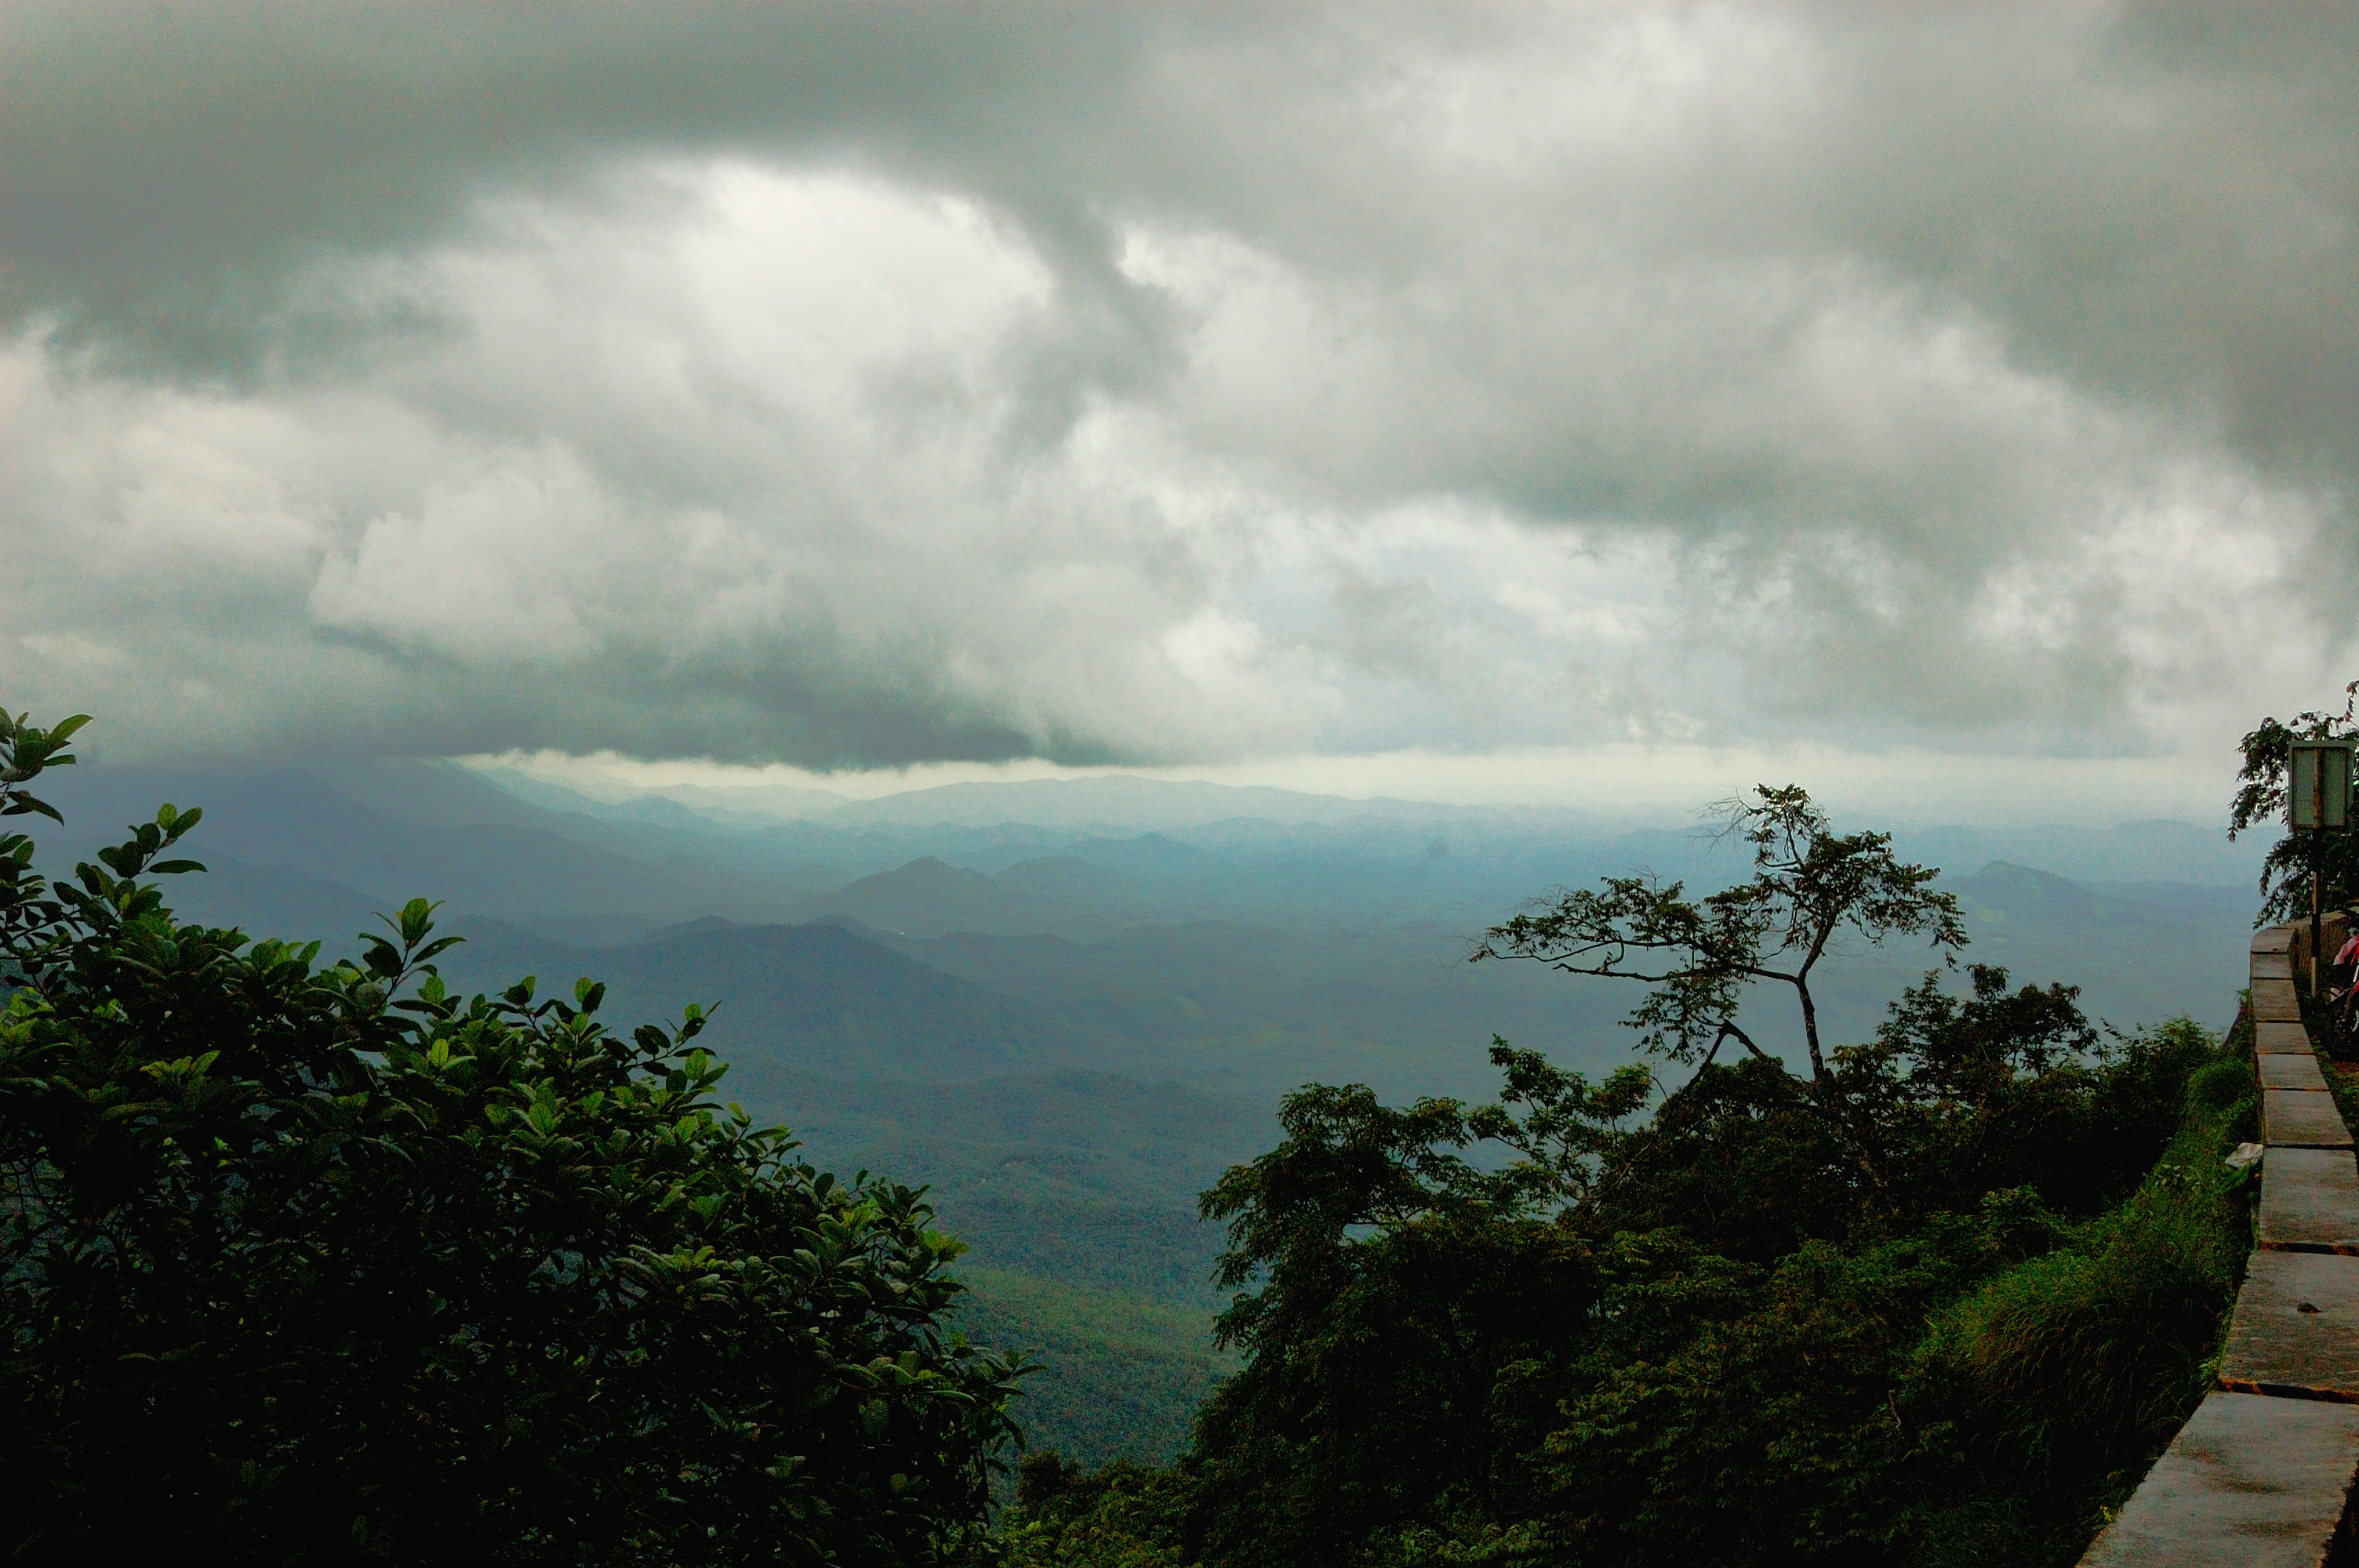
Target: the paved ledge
pixel 2302 1119
pixel 2292 1070
pixel 2309 1201
pixel 2270 1037
pixel 2255 1482
pixel 2295 1331
pixel 2274 1001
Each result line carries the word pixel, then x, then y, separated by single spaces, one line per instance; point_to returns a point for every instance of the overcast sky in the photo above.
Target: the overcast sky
pixel 1222 387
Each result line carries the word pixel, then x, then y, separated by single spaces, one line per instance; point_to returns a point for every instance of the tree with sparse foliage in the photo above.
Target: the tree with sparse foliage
pixel 1811 885
pixel 1811 889
pixel 312 1262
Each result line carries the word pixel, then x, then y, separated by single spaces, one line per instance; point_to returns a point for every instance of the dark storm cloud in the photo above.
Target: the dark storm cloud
pixel 1209 379
pixel 176 170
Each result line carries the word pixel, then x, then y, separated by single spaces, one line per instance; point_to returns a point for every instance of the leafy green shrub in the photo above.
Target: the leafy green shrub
pixel 2220 1085
pixel 307 1262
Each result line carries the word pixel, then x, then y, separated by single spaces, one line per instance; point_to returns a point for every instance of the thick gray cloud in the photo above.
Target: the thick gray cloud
pixel 872 384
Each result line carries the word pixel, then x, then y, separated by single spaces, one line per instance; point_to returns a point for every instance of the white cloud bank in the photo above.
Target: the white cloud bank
pixel 1527 382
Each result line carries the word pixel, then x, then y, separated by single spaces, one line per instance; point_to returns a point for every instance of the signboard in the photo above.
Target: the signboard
pixel 2317 784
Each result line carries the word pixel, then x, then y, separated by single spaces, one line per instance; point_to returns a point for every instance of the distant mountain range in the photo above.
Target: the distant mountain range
pixel 1126 806
pixel 1247 956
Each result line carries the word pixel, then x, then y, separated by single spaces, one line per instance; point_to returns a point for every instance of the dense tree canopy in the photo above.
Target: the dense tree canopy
pixel 1710 1338
pixel 305 1261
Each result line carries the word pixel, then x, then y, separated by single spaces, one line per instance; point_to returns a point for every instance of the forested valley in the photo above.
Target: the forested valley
pixel 1289 1235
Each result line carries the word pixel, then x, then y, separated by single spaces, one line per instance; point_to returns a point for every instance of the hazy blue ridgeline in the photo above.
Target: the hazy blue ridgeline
pixel 1119 975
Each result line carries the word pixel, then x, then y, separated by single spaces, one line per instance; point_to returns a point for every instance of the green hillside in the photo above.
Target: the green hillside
pixel 1086 1178
pixel 1121 1378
